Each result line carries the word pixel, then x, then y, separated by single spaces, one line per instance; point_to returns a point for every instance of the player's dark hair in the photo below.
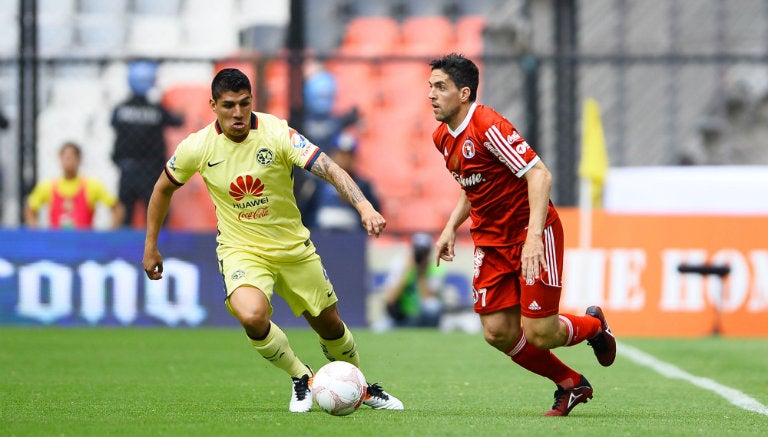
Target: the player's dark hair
pixel 229 79
pixel 462 71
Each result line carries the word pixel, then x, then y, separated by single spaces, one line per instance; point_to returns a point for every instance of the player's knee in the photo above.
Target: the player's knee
pixel 255 322
pixel 499 339
pixel 541 339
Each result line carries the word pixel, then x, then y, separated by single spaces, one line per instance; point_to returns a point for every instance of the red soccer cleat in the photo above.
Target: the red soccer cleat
pixel 566 399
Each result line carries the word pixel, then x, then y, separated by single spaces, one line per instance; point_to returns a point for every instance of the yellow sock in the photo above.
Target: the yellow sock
pixel 276 349
pixel 341 349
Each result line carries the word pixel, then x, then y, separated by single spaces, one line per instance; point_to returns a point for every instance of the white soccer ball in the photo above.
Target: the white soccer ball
pixel 339 388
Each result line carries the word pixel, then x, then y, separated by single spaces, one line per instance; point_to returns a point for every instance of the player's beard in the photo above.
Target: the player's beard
pixel 445 116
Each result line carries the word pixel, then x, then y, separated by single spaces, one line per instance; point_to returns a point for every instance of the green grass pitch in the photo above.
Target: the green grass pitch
pixel 209 382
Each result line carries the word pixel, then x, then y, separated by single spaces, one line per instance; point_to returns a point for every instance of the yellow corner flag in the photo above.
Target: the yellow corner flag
pixel 594 158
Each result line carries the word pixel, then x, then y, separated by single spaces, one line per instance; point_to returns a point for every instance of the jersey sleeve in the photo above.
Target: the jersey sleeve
pixel 98 193
pixel 299 149
pixel 185 161
pixel 506 143
pixel 40 195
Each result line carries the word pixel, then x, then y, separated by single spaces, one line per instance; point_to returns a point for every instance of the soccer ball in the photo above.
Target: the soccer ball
pixel 339 388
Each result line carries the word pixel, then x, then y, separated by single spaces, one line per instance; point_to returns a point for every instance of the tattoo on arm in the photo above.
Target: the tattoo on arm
pixel 326 169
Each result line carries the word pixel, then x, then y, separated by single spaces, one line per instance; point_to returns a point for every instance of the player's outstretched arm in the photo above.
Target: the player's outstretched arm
pixel 156 212
pixel 325 168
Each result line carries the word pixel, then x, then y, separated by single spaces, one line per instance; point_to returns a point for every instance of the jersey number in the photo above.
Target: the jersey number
pixel 479 295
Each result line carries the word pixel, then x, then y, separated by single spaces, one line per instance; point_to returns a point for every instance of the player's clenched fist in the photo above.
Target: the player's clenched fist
pixel 153 265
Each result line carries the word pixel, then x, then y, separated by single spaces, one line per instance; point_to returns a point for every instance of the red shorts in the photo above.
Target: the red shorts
pixel 498 283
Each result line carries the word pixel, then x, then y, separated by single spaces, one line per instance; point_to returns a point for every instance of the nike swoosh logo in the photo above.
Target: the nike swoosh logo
pixel 329 294
pixel 572 400
pixel 211 164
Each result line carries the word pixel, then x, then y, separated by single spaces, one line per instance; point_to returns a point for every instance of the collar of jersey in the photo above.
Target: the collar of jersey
pixel 465 123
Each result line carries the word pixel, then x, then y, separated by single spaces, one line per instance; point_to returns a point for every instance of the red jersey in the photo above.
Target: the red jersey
pixel 70 211
pixel 488 158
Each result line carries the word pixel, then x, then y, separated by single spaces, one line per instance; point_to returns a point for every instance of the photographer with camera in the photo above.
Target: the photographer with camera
pixel 412 289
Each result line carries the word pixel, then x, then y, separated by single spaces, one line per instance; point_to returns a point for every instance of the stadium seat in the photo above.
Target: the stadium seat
pixel 206 9
pixel 276 86
pixel 470 35
pixel 435 181
pixel 9 34
pixel 198 42
pixel 370 36
pixel 413 214
pixel 269 13
pixel 101 33
pixel 428 36
pixel 355 85
pixel 157 7
pixel 117 7
pixel 192 102
pixel 55 34
pixel 65 91
pixel 114 76
pixel 62 8
pixel 151 35
pixel 400 79
pixel 385 157
pixel 408 121
pixel 373 8
pixel 55 126
pixel 192 208
pixel 171 73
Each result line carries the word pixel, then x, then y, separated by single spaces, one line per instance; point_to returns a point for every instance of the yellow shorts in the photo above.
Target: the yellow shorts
pixel 303 284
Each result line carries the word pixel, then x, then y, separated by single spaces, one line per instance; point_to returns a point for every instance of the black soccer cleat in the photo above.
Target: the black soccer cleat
pixel 566 399
pixel 604 343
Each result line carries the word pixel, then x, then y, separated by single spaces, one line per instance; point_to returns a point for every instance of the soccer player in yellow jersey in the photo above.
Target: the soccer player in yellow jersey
pixel 72 198
pixel 246 160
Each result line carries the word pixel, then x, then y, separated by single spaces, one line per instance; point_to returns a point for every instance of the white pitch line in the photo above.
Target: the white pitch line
pixel 732 395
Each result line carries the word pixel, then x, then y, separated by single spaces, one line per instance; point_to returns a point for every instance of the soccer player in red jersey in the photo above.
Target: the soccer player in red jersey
pixel 517 235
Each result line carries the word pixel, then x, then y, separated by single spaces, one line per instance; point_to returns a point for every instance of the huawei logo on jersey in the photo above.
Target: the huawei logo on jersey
pixel 245 185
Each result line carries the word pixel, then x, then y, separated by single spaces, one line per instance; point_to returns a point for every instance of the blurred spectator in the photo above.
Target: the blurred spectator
pixel 331 211
pixel 3 120
pixel 413 286
pixel 72 198
pixel 321 124
pixel 139 150
pixel 3 125
pixel 323 127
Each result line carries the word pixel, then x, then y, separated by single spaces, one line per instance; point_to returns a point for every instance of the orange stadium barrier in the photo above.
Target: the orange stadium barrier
pixel 632 269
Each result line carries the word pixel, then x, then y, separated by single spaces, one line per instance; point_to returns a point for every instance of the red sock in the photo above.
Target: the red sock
pixel 544 363
pixel 580 328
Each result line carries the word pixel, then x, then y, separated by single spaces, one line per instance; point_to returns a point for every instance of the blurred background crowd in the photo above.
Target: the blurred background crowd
pixel 680 82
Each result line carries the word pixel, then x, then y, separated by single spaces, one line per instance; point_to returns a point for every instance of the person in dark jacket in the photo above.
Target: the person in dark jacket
pixel 139 150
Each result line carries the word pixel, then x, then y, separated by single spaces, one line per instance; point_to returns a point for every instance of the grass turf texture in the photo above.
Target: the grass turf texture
pixel 206 382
